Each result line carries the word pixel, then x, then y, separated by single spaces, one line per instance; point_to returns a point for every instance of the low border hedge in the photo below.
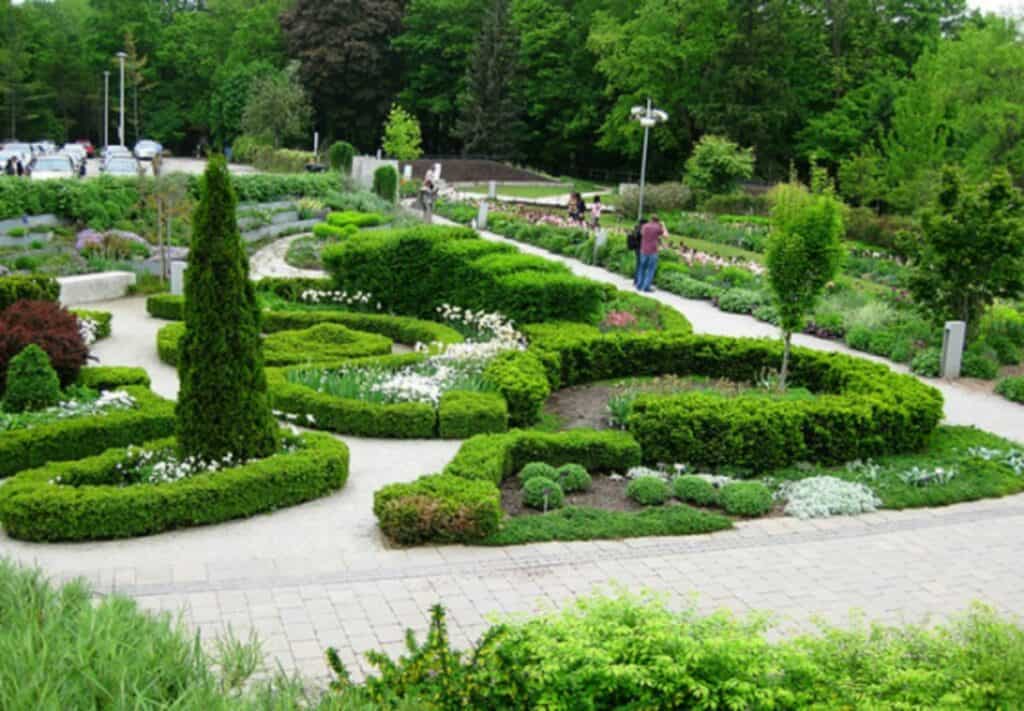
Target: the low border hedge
pixel 463 504
pixel 79 437
pixel 401 329
pixel 34 287
pixel 31 508
pixel 111 377
pixel 464 414
pixel 170 307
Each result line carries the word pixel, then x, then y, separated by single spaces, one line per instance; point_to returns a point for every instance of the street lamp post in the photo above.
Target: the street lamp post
pixel 106 109
pixel 120 129
pixel 648 116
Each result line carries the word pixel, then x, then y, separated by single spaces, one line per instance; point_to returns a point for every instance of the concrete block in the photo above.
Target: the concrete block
pixel 88 288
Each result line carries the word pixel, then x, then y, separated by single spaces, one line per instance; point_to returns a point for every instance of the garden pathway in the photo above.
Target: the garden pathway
pixel 269 261
pixel 320 574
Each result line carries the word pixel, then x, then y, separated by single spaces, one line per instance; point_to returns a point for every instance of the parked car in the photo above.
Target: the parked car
pixel 122 166
pixel 85 143
pixel 116 152
pixel 23 150
pixel 146 149
pixel 53 166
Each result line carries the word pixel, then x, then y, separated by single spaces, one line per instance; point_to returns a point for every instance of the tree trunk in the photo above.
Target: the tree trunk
pixel 786 338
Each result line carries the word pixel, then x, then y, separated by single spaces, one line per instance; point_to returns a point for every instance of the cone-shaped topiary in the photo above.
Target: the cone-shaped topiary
pixel 223 406
pixel 32 383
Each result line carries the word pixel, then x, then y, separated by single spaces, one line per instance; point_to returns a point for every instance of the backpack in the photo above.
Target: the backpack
pixel 633 238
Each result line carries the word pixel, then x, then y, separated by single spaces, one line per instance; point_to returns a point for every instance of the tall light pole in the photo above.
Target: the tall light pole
pixel 120 128
pixel 648 116
pixel 106 108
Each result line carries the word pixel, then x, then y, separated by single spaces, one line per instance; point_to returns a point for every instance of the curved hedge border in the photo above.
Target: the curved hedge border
pixel 290 347
pixel 79 437
pixel 463 504
pixel 31 508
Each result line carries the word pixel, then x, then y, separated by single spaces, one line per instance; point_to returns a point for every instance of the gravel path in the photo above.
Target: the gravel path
pixel 270 261
pixel 320 574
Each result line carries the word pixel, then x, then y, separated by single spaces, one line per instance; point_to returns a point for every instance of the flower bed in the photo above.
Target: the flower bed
pixel 78 437
pixel 89 499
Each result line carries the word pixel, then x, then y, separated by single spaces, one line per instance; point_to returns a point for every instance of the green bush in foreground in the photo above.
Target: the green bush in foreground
pixel 694 489
pixel 573 478
pixel 648 491
pixel 32 383
pixel 746 498
pixel 534 470
pixel 543 494
pixel 1012 388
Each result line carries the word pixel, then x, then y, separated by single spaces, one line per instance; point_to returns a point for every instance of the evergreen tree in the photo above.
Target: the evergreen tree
pixel 489 118
pixel 223 406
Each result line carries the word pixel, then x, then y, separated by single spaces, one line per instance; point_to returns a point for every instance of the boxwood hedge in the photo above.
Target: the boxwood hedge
pixel 463 504
pixel 80 437
pixel 83 506
pixel 170 307
pixel 111 377
pixel 464 414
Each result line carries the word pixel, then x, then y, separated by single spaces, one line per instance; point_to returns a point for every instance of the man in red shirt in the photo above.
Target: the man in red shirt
pixel 651 235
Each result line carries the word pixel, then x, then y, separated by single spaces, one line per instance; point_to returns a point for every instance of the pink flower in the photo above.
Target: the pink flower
pixel 619 319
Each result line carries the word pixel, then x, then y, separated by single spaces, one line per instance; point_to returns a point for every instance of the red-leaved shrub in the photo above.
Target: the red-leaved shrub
pixel 48 325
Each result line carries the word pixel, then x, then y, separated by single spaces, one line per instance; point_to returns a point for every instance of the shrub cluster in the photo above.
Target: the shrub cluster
pixel 280 160
pixel 79 437
pixel 49 326
pixel 31 508
pixel 648 490
pixel 1012 388
pixel 746 498
pixel 438 508
pixel 32 383
pixel 694 489
pixel 326 231
pixel 353 218
pixel 27 288
pixel 573 478
pixel 413 271
pixel 543 494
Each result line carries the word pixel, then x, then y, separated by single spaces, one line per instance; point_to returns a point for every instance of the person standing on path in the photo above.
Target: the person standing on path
pixel 650 242
pixel 633 244
pixel 595 212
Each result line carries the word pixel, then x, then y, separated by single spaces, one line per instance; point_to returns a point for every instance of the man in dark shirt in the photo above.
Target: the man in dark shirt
pixel 651 235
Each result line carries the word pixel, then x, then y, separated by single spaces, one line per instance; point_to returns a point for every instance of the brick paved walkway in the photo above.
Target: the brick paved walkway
pixel 320 574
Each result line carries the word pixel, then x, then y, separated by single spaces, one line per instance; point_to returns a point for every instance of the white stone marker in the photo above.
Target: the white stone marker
pixel 492 190
pixel 178 277
pixel 954 335
pixel 481 217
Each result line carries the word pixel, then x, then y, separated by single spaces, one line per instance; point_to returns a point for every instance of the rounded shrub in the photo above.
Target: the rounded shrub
pixel 341 155
pixel 543 494
pixel 385 183
pixel 537 469
pixel 32 383
pixel 746 498
pixel 49 326
pixel 979 365
pixel 648 491
pixel 1012 388
pixel 573 478
pixel 695 490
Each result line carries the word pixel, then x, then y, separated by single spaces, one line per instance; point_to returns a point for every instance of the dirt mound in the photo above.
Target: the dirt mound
pixel 459 170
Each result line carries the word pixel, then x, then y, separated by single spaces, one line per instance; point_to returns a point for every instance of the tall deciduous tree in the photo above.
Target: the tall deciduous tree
pixel 804 254
pixel 223 408
pixel 278 106
pixel 348 63
pixel 402 138
pixel 972 249
pixel 490 117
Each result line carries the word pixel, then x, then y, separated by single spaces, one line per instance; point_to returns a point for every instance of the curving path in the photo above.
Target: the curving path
pixel 320 574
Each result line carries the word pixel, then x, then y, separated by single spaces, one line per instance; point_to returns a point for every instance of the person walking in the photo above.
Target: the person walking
pixel 651 235
pixel 633 244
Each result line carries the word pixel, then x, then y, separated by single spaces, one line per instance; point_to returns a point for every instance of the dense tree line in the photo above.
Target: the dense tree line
pixel 881 92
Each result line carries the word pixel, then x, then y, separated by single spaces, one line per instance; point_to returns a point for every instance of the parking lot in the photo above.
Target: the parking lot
pixel 190 166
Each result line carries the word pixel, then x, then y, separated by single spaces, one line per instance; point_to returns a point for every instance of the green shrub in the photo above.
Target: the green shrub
pixel 980 361
pixel 686 286
pixel 17 232
pixel 102 319
pixel 648 490
pixel 32 383
pixel 281 160
pixel 111 377
pixel 79 437
pixel 522 380
pixel 741 301
pixel 49 326
pixel 746 498
pixel 169 307
pixel 464 414
pixel 737 204
pixel 535 470
pixel 438 508
pixel 927 362
pixel 400 329
pixel 1012 388
pixel 385 183
pixel 291 289
pixel 658 197
pixel 352 218
pixel 543 494
pixel 27 288
pixel 245 148
pixel 341 155
pixel 329 232
pixel 694 489
pixel 325 342
pixel 573 478
pixel 31 508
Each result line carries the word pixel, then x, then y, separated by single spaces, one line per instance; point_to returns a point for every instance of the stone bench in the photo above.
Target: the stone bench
pixel 87 288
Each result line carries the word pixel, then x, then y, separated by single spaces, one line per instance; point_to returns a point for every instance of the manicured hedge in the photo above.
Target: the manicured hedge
pixel 19 287
pixel 438 508
pixel 32 508
pixel 464 414
pixel 464 504
pixel 291 288
pixel 520 377
pixel 170 307
pixel 103 320
pixel 346 218
pixel 79 437
pixel 324 343
pixel 413 271
pixel 400 329
pixel 112 377
pixel 325 231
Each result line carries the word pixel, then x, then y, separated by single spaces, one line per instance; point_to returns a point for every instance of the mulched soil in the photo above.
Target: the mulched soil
pixel 606 493
pixel 475 171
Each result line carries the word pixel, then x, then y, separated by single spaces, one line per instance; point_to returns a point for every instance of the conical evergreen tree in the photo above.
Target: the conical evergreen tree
pixel 489 119
pixel 222 406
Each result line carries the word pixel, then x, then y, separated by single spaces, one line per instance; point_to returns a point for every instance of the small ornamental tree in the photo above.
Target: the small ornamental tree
pixel 803 255
pixel 717 165
pixel 223 406
pixel 341 155
pixel 972 249
pixel 402 139
pixel 32 383
pixel 385 183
